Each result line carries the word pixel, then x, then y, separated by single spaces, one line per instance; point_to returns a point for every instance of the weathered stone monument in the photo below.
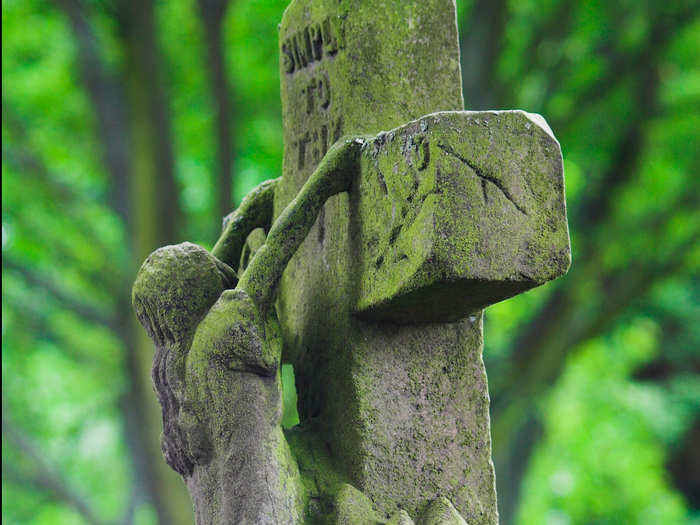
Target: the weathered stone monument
pixel 381 253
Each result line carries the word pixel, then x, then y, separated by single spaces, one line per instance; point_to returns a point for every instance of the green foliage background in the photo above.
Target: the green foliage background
pixel 594 378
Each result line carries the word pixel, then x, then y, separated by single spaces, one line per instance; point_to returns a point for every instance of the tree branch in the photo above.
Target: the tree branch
pixel 62 256
pixel 27 164
pixel 108 101
pixel 574 326
pixel 34 321
pixel 88 312
pixel 596 204
pixel 621 65
pixel 553 28
pixel 45 477
pixel 564 322
pixel 23 160
pixel 550 326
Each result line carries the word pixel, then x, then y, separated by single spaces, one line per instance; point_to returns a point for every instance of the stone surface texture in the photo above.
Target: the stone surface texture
pixel 459 210
pixel 403 410
pixel 397 219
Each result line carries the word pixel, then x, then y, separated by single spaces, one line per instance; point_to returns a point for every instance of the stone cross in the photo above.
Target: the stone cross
pixel 398 218
pixel 380 308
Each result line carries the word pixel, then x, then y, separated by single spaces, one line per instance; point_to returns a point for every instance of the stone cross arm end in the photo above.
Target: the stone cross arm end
pixel 456 211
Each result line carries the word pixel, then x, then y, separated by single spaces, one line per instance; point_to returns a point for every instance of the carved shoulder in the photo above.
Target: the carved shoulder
pixel 234 335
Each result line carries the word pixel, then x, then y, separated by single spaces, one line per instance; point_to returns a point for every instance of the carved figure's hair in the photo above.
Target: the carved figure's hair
pixel 175 288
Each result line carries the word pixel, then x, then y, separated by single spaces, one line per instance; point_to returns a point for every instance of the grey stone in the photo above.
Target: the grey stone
pixel 384 248
pixel 442 512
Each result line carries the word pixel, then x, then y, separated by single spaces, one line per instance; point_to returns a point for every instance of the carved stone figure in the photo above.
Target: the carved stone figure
pixel 218 350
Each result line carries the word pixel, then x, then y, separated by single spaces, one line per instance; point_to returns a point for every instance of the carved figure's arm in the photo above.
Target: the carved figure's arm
pixel 254 212
pixel 333 175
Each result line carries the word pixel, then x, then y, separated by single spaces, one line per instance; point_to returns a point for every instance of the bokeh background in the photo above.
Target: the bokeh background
pixel 130 124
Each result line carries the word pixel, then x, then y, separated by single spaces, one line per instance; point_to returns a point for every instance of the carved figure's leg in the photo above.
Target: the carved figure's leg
pixel 234 383
pixel 442 512
pixel 400 518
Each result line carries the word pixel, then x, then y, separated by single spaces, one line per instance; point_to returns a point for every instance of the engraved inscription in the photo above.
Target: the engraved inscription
pixel 313 144
pixel 304 51
pixel 313 43
pixel 317 93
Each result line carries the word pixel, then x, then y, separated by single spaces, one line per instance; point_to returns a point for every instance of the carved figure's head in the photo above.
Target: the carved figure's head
pixel 174 288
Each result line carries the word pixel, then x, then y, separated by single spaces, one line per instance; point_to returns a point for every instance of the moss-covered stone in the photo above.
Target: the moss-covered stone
pixel 402 410
pixel 386 245
pixel 354 508
pixel 218 348
pixel 380 307
pixel 400 518
pixel 458 210
pixel 442 512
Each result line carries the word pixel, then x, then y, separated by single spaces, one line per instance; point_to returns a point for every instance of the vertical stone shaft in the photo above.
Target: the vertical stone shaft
pixel 403 408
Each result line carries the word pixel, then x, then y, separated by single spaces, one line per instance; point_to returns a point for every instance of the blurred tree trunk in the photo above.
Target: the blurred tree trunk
pixel 212 13
pixel 481 39
pixel 155 217
pixel 134 130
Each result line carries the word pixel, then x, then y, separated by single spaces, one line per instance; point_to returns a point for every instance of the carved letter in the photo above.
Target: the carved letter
pixel 316 150
pixel 287 56
pixel 324 91
pixel 309 91
pixel 330 44
pixel 301 144
pixel 316 39
pixel 303 46
pixel 294 50
pixel 324 139
pixel 338 25
pixel 337 128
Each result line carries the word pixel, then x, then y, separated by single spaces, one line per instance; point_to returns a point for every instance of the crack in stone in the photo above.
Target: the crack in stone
pixel 269 495
pixel 484 177
pixel 382 180
pixel 483 189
